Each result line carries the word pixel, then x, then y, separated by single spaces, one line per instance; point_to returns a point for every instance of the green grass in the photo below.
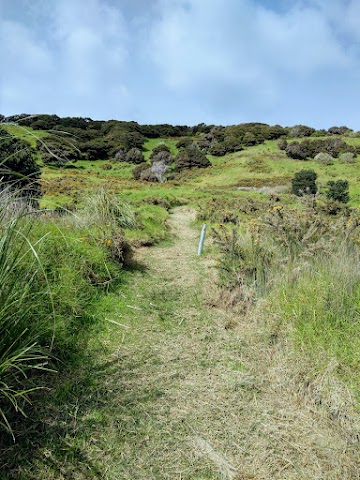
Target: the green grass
pixel 103 409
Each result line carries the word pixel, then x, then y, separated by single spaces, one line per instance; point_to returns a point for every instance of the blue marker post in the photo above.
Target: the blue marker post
pixel 202 239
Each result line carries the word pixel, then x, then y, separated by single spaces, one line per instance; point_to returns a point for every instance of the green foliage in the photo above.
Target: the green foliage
pixel 304 182
pixel 25 312
pixel 58 150
pixel 184 142
pixel 338 190
pixel 18 168
pixel 191 157
pixel 135 156
pixel 301 131
pixel 324 158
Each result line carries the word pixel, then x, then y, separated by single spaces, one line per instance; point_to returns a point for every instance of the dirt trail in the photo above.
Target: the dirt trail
pixel 209 402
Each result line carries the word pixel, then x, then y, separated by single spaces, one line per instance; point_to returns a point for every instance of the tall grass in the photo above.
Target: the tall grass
pixel 26 309
pixel 305 264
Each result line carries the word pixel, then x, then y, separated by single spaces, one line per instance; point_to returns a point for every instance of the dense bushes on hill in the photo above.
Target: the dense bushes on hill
pixel 310 148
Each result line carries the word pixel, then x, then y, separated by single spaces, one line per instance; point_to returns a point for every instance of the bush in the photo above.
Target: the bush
pixel 338 190
pixel 339 130
pixel 134 155
pixel 304 182
pixel 137 171
pixel 191 157
pixel 18 168
pixel 184 142
pixel 161 147
pixel 301 131
pixel 298 151
pixel 249 139
pixel 347 157
pixel 162 156
pixel 218 149
pixel 324 158
pixel 282 144
pixel 120 155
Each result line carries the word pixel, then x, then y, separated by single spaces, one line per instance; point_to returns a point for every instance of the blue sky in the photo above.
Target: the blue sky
pixel 183 61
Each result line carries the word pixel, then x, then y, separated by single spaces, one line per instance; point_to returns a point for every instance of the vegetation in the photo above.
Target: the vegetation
pixel 92 321
pixel 304 182
pixel 338 191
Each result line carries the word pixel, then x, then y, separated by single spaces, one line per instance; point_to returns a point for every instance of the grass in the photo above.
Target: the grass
pixel 164 376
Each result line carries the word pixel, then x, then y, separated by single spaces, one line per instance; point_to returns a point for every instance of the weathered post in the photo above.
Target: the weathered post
pixel 202 239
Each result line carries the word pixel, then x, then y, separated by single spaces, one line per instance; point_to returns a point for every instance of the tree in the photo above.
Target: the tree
pixel 304 182
pixel 338 190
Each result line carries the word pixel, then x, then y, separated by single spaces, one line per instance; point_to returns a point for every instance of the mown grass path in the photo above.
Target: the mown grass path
pixel 177 394
pixel 198 400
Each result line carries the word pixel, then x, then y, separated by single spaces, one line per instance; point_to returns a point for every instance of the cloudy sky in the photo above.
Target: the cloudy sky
pixel 183 61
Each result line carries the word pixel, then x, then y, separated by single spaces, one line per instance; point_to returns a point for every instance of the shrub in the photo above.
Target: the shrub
pixel 218 149
pixel 191 157
pixel 162 156
pixel 137 171
pixel 347 157
pixel 301 131
pixel 204 144
pixel 249 139
pixel 338 190
pixel 161 147
pixel 298 151
pixel 18 168
pixel 339 130
pixel 324 158
pixel 184 142
pixel 304 182
pixel 120 155
pixel 282 144
pixel 134 155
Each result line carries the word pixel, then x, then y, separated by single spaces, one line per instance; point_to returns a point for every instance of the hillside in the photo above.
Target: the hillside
pixel 241 363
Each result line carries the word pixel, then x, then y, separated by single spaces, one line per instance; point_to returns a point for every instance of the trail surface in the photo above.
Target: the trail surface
pixel 200 400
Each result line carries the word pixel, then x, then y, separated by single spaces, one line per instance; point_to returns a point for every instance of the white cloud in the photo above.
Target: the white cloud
pixel 183 61
pixel 240 42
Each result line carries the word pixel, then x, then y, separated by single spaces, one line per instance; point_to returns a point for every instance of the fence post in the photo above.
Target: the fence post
pixel 202 239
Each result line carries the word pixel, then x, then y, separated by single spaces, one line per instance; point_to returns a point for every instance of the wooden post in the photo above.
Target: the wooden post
pixel 202 239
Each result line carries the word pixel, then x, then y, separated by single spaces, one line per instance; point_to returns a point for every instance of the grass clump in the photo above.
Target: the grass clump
pixel 26 312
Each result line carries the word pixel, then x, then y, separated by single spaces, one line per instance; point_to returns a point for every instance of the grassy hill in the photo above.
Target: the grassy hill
pixel 241 363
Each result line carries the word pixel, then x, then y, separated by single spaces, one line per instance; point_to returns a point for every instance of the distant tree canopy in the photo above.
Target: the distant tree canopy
pixel 18 168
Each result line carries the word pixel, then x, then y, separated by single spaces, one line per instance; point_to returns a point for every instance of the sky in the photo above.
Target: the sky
pixel 183 62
